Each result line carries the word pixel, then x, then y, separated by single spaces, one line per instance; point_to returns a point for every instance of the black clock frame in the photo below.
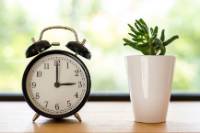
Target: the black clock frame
pixel 24 79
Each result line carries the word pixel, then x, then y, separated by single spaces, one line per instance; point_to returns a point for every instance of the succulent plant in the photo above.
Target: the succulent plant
pixel 146 39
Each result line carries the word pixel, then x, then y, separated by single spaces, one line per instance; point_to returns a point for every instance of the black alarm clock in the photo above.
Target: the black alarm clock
pixel 56 83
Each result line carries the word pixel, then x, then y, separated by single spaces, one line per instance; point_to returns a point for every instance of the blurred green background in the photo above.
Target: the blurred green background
pixel 103 23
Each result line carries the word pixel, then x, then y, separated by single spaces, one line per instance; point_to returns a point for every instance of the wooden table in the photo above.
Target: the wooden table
pixel 100 117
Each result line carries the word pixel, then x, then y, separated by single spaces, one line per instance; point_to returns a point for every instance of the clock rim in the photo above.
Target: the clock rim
pixel 38 57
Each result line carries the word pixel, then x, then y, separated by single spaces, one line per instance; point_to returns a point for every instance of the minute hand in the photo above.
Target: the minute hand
pixel 57 72
pixel 69 83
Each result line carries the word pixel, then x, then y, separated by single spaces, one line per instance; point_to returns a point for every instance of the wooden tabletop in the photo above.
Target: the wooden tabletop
pixel 100 117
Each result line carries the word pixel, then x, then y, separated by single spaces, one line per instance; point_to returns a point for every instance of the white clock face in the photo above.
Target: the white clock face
pixel 56 84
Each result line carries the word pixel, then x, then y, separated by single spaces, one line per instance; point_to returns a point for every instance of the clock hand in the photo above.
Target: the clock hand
pixel 57 84
pixel 56 72
pixel 68 83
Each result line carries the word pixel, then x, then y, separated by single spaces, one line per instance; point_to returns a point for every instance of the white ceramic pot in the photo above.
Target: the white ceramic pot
pixel 150 80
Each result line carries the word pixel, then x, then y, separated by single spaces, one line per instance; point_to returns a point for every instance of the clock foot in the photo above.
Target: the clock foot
pixel 77 116
pixel 35 117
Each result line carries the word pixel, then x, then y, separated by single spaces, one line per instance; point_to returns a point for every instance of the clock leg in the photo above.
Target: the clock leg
pixel 77 116
pixel 35 117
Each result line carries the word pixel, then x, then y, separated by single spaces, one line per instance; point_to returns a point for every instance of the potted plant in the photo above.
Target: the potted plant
pixel 149 75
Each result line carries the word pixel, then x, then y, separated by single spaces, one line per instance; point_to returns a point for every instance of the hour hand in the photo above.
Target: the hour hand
pixel 68 83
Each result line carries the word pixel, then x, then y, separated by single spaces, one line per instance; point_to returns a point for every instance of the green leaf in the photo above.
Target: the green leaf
pixel 152 39
pixel 133 29
pixel 134 36
pixel 159 47
pixel 130 43
pixel 143 28
pixel 138 27
pixel 155 31
pixel 144 25
pixel 138 39
pixel 162 37
pixel 126 41
pixel 151 30
pixel 163 51
pixel 143 22
pixel 170 40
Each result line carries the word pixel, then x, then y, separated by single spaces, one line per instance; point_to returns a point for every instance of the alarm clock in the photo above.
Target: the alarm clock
pixel 56 83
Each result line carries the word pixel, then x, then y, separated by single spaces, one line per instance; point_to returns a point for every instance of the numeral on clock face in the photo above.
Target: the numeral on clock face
pixel 46 66
pixel 69 103
pixel 39 74
pixel 37 95
pixel 79 84
pixel 57 106
pixel 76 95
pixel 56 62
pixel 76 72
pixel 46 103
pixel 33 85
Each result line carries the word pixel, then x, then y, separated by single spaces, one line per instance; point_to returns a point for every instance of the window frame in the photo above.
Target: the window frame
pixel 108 97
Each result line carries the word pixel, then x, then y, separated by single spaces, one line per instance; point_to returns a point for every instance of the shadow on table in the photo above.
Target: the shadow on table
pixel 142 127
pixel 169 126
pixel 61 125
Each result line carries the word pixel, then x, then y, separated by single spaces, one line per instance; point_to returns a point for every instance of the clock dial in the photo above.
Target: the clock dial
pixel 56 84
